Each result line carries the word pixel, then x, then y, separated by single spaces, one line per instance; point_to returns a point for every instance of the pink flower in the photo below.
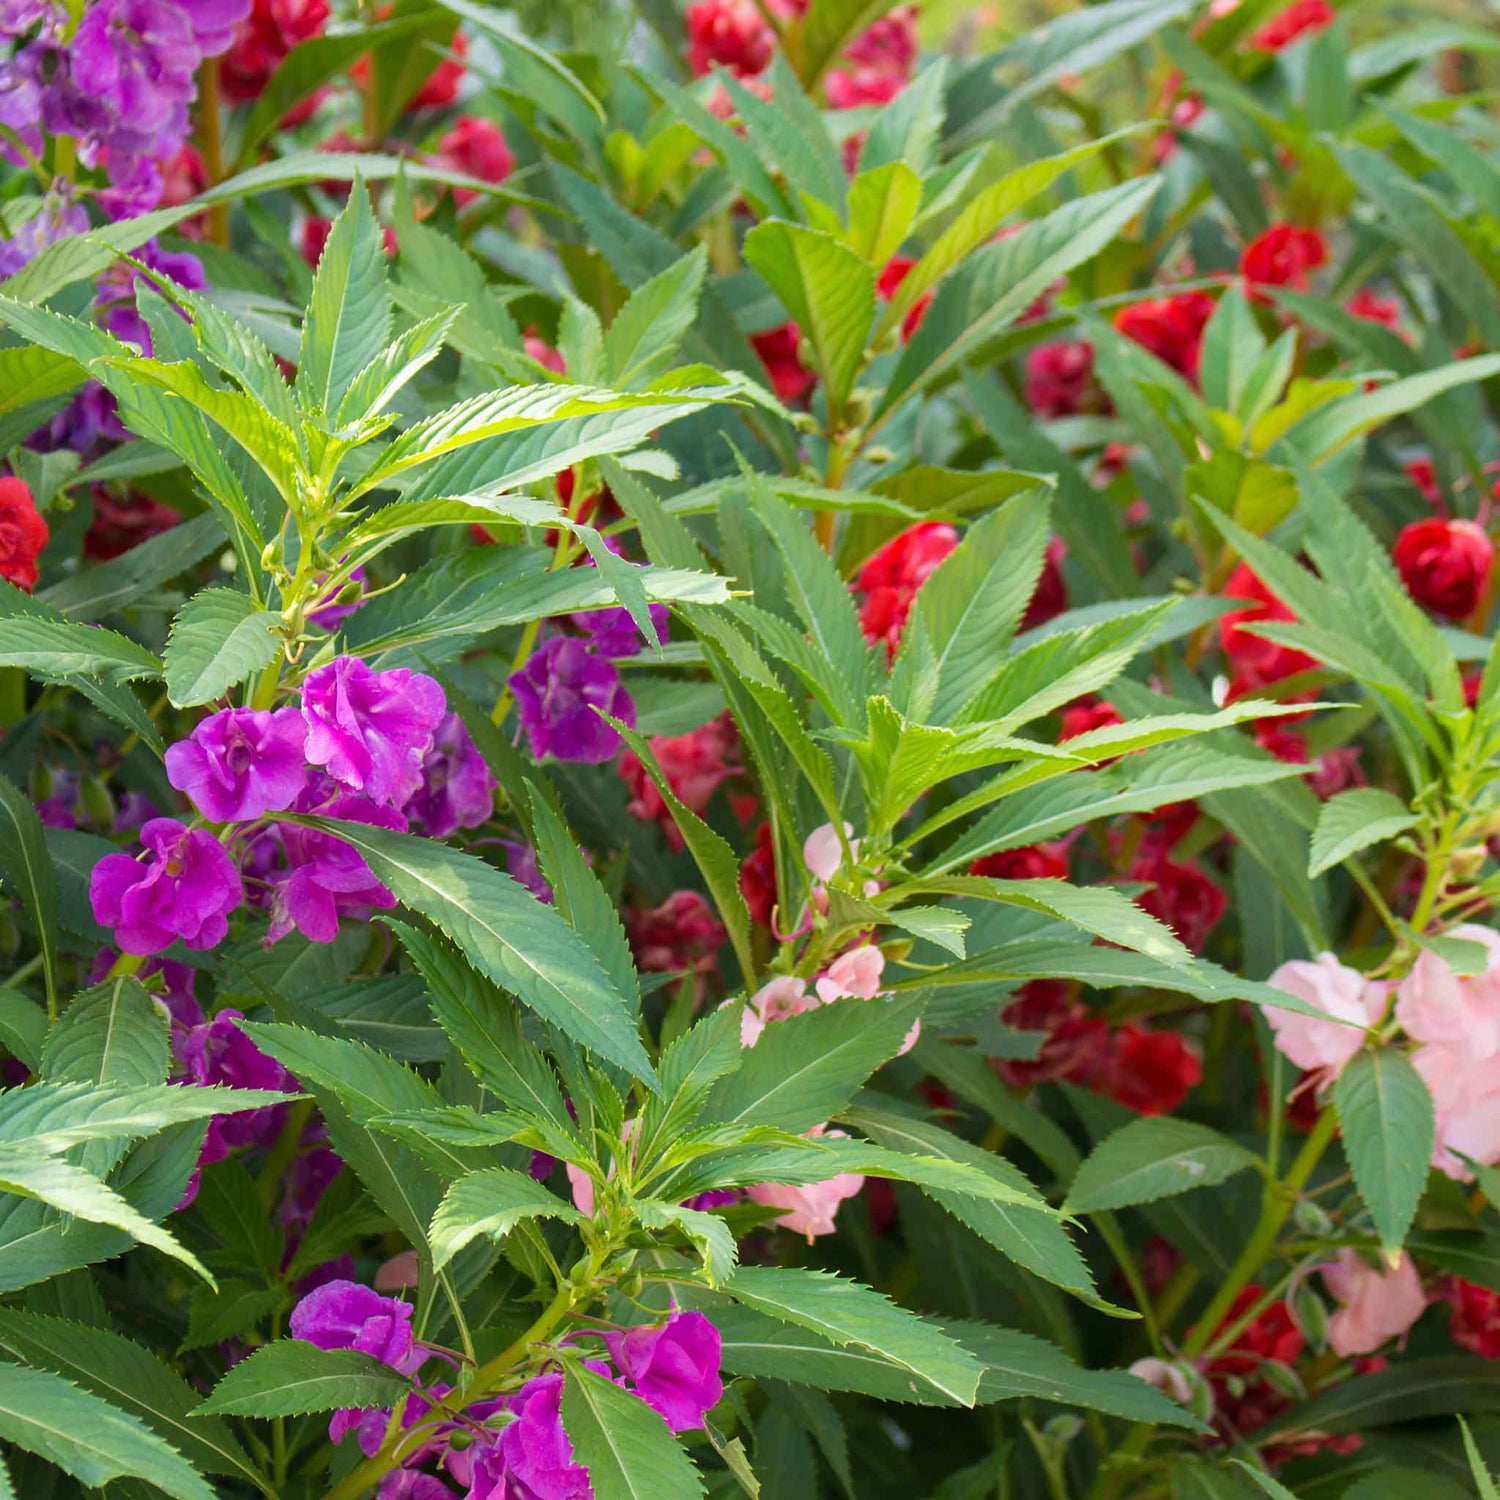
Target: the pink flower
pixel 823 852
pixel 856 972
pixel 782 997
pixel 1350 1001
pixel 1433 1004
pixel 1374 1305
pixel 1466 1103
pixel 809 1208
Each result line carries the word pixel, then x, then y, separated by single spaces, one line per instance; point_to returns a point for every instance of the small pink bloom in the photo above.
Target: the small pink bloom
pixel 809 1208
pixel 856 972
pixel 1465 1092
pixel 823 852
pixel 783 996
pixel 1433 1004
pixel 1351 1002
pixel 1375 1305
pixel 398 1273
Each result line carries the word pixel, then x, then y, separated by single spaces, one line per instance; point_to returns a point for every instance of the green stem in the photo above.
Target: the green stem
pixel 211 145
pixel 284 1151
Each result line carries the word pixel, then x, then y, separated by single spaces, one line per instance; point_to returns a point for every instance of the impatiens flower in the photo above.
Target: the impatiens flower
pixel 1351 1002
pixel 557 693
pixel 1375 1305
pixel 809 1208
pixel 681 935
pixel 371 730
pixel 695 764
pixel 1301 18
pixel 1151 1072
pixel 1030 862
pixel 347 1315
pixel 1433 1004
pixel 1465 1093
pixel 23 534
pixel 758 877
pixel 122 522
pixel 1180 895
pixel 457 790
pixel 531 1458
pixel 878 62
pixel 891 577
pixel 778 998
pixel 1085 716
pixel 340 604
pixel 137 59
pixel 262 40
pixel 673 1367
pixel 1256 662
pixel 732 33
pixel 217 1052
pixel 475 147
pixel 824 853
pixel 186 889
pixel 897 268
pixel 1171 328
pixel 1370 306
pixel 1075 1041
pixel 777 347
pixel 1283 256
pixel 1475 1324
pixel 1445 565
pixel 213 22
pixel 241 763
pixel 1059 378
pixel 326 875
pixel 441 87
pixel 856 972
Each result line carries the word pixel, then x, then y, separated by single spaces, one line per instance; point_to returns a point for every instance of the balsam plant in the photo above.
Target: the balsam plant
pixel 794 792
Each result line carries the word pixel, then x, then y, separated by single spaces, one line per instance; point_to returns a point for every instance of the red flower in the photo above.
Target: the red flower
pixel 732 33
pixel 23 534
pixel 1445 565
pixel 182 179
pixel 1149 1071
pixel 758 877
pixel 1075 1041
pixel 1423 474
pixel 880 61
pixel 1373 308
pixel 695 765
pixel 476 148
pixel 1085 715
pixel 1032 862
pixel 1255 662
pixel 1171 328
pixel 895 272
pixel 777 347
pixel 1051 596
pixel 1060 377
pixel 1298 19
pixel 262 41
pixel 891 577
pixel 549 359
pixel 1182 896
pixel 682 934
pixel 1271 1334
pixel 314 236
pixel 1332 772
pixel 119 525
pixel 1475 1325
pixel 1283 256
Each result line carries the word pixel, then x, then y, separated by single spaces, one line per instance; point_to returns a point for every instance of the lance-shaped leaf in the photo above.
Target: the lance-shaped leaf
pixel 219 638
pixel 26 869
pixel 629 1451
pixel 1151 1159
pixel 1354 820
pixel 1386 1118
pixel 490 1204
pixel 291 1378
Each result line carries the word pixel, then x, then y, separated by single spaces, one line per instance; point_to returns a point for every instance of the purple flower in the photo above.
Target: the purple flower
pixel 117 286
pixel 138 59
pixel 674 1367
pixel 408 1484
pixel 217 1052
pixel 87 418
pixel 521 864
pixel 327 875
pixel 185 890
pixel 557 692
pixel 330 614
pixel 371 729
pixel 457 788
pixel 531 1458
pixel 241 763
pixel 309 1177
pixel 346 1315
pixel 213 22
pixel 56 219
pixel 613 633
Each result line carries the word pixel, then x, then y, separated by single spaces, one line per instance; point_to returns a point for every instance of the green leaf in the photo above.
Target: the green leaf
pixel 87 1437
pixel 383 379
pixel 114 1033
pixel 882 205
pixel 23 1028
pixel 708 1233
pixel 816 40
pixel 845 1312
pixel 648 329
pixel 96 591
pixel 51 1117
pixel 219 638
pixel 629 1451
pixel 525 947
pixel 1410 1391
pixel 349 318
pixel 1150 1159
pixel 828 292
pixel 1484 1482
pixel 1354 820
pixel 291 1378
pixel 1386 1119
pixel 805 1069
pixel 56 651
pixel 491 1204
pixel 27 871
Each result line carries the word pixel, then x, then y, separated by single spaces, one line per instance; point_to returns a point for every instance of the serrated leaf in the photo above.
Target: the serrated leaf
pixel 26 869
pixel 1150 1159
pixel 1386 1120
pixel 87 1437
pixel 648 329
pixel 219 638
pixel 1352 821
pixel 629 1451
pixel 490 1204
pixel 291 1378
pixel 709 1234
pixel 882 205
pixel 55 650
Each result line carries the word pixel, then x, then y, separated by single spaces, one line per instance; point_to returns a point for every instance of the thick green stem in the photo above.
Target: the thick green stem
pixel 211 145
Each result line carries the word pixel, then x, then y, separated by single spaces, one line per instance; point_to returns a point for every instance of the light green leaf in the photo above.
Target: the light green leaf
pixel 708 1233
pixel 629 1451
pixel 816 40
pixel 23 1028
pixel 290 1378
pixel 1354 820
pixel 882 205
pixel 1386 1118
pixel 380 381
pixel 1150 1159
pixel 490 1204
pixel 219 638
pixel 648 329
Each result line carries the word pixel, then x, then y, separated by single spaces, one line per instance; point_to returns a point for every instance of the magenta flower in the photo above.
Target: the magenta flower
pixel 185 890
pixel 218 1052
pixel 613 633
pixel 327 875
pixel 673 1366
pixel 138 59
pixel 557 692
pixel 531 1459
pixel 457 788
pixel 213 22
pixel 330 614
pixel 241 763
pixel 371 729
pixel 346 1315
